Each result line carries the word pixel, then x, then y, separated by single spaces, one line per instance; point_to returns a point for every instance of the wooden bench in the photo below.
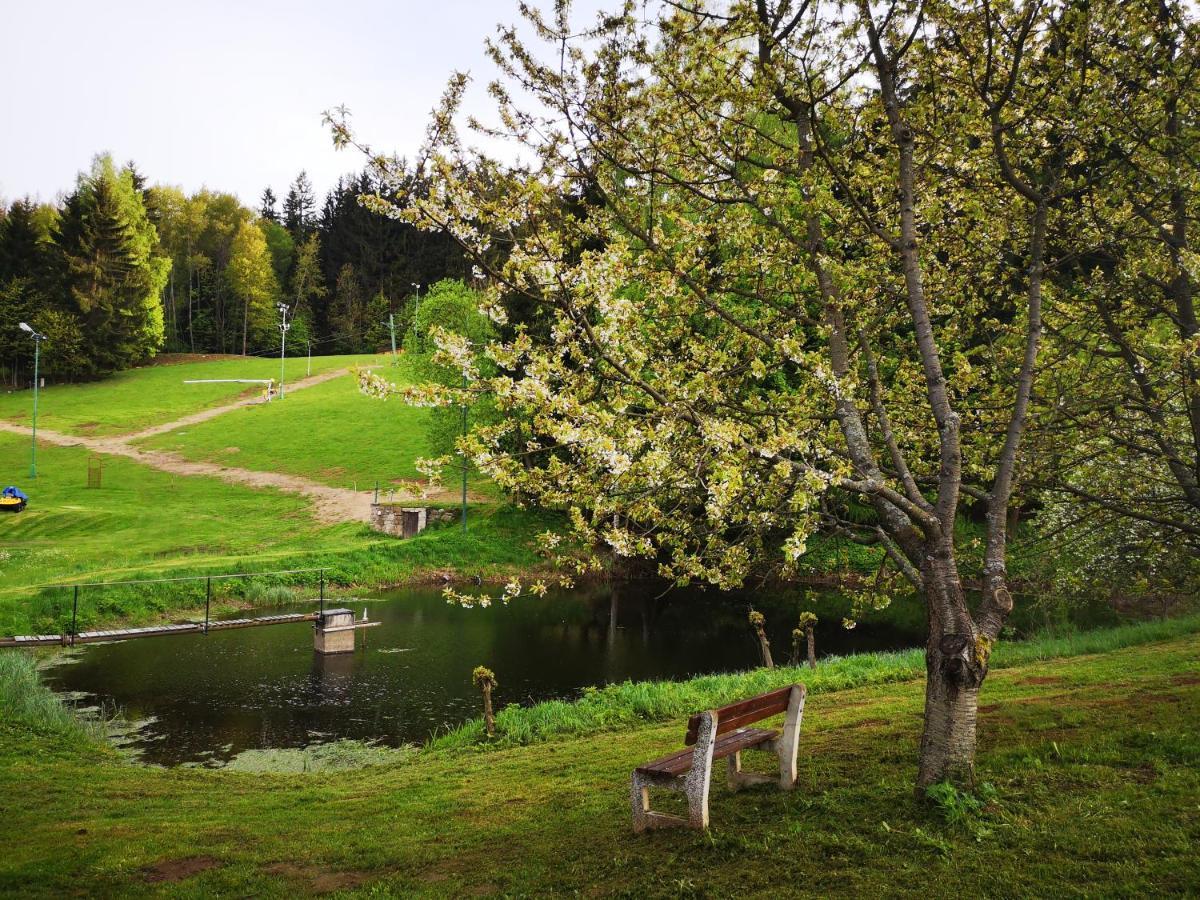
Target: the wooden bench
pixel 721 734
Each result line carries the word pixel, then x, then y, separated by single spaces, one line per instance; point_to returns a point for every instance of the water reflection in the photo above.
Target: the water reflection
pixel 219 694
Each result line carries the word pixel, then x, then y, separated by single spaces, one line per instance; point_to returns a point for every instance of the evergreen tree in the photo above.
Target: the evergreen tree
pixel 299 208
pixel 21 242
pixel 266 206
pixel 112 275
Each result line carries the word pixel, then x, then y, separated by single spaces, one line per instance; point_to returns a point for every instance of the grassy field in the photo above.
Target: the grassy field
pixel 330 433
pixel 145 523
pixel 139 398
pixel 1090 763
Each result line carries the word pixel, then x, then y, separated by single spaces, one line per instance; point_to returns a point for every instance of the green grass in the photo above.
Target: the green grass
pixel 143 523
pixel 330 433
pixel 629 703
pixel 26 703
pixel 1093 762
pixel 152 395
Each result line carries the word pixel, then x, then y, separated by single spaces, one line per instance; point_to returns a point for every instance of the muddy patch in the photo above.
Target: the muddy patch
pixel 1185 679
pixel 1044 679
pixel 318 880
pixel 171 870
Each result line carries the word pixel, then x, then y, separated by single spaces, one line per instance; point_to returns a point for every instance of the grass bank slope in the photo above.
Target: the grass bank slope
pixel 1094 762
pixel 152 395
pixel 143 523
pixel 330 433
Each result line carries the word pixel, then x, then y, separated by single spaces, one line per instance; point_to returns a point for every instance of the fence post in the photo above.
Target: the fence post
pixel 207 602
pixel 74 615
pixel 322 592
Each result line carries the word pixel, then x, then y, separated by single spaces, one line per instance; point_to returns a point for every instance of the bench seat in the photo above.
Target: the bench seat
pixel 720 734
pixel 725 745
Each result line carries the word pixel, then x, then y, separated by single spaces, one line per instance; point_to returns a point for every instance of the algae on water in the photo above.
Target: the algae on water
pixel 335 755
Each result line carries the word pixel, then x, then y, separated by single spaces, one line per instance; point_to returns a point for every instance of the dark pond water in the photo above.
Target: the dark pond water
pixel 211 697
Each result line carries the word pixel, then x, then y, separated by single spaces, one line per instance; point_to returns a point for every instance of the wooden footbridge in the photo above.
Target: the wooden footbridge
pixel 72 636
pixel 121 634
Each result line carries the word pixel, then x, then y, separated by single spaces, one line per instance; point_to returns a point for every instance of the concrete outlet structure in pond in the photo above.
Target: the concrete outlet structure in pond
pixel 333 632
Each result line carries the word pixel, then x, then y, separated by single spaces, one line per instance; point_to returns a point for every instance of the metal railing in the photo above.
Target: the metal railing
pixel 207 579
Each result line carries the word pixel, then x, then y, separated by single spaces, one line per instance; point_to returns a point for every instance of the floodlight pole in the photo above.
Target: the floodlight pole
pixel 464 455
pixel 308 371
pixel 392 329
pixel 417 308
pixel 37 348
pixel 284 325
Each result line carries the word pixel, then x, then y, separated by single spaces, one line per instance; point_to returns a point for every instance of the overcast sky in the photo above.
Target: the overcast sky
pixel 225 94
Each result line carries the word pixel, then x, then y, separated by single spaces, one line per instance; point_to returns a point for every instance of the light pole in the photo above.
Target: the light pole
pixel 464 456
pixel 37 347
pixel 284 325
pixel 417 309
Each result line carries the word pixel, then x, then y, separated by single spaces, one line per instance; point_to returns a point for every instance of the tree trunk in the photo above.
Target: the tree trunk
pixel 766 647
pixel 948 742
pixel 812 649
pixel 489 717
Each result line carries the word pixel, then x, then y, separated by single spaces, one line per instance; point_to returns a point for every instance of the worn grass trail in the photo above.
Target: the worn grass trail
pixel 1094 760
pixel 141 398
pixel 330 505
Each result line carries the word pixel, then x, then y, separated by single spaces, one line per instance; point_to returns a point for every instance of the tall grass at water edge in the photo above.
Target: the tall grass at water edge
pixel 629 703
pixel 26 702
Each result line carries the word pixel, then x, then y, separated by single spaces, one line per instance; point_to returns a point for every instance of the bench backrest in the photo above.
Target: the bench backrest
pixel 744 712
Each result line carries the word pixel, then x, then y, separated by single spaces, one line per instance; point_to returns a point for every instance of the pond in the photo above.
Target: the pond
pixel 207 698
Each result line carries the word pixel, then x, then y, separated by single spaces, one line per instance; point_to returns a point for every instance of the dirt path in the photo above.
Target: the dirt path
pixel 205 415
pixel 330 505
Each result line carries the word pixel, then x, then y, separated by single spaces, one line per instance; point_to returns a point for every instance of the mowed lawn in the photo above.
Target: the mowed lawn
pixel 139 520
pixel 1093 765
pixel 155 394
pixel 330 433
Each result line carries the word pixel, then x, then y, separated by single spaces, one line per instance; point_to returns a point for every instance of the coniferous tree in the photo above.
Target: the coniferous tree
pixel 266 206
pixel 299 208
pixel 112 274
pixel 21 241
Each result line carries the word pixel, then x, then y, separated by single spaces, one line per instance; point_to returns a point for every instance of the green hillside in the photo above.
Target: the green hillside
pixel 152 395
pixel 330 433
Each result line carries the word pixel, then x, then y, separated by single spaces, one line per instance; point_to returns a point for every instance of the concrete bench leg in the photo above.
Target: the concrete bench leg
pixel 694 786
pixel 788 744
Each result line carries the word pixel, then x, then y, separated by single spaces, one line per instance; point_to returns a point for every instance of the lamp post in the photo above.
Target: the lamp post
pixel 37 347
pixel 464 455
pixel 284 325
pixel 417 309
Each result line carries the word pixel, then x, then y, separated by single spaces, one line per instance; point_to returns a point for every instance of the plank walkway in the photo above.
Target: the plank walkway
pixel 121 634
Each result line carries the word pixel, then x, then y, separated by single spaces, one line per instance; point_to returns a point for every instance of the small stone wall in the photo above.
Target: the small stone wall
pixel 406 521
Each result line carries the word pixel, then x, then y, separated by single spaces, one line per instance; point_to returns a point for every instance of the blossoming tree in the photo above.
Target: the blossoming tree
pixel 786 254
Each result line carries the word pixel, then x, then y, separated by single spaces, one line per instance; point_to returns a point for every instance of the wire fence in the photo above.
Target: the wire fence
pixel 76 590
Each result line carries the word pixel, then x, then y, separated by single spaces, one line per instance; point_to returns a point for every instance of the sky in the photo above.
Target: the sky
pixel 226 95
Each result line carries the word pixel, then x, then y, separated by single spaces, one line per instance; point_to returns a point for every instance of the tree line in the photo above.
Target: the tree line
pixel 120 270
